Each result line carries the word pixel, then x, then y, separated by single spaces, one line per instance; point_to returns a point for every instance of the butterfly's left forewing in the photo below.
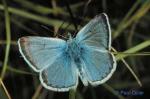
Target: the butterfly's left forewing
pixel 96 60
pixel 96 34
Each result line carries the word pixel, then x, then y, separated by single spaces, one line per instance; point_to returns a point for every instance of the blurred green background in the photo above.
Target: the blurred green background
pixel 130 25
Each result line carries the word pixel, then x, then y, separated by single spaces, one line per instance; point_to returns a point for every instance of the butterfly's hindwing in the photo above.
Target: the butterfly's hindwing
pixel 98 66
pixel 61 75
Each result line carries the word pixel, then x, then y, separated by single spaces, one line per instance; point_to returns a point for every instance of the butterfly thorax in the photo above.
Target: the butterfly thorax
pixel 74 50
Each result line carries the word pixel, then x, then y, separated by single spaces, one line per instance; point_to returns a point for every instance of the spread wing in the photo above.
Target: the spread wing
pixel 96 33
pixel 47 56
pixel 96 60
pixel 61 75
pixel 98 66
pixel 40 52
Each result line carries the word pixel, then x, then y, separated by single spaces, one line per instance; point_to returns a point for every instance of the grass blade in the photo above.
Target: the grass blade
pixel 8 39
pixel 7 93
pixel 72 94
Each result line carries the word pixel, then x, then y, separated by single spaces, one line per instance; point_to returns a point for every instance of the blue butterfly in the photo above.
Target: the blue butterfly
pixel 61 63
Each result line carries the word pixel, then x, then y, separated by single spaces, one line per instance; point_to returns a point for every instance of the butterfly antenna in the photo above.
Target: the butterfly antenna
pixel 45 27
pixel 84 12
pixel 57 34
pixel 59 29
pixel 62 36
pixel 71 14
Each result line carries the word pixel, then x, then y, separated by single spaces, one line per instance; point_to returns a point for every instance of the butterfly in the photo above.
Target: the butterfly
pixel 61 63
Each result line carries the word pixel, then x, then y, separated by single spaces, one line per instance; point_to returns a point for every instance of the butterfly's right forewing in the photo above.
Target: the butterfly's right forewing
pixel 40 52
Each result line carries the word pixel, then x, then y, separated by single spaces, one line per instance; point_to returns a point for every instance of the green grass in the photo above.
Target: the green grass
pixel 8 39
pixel 134 17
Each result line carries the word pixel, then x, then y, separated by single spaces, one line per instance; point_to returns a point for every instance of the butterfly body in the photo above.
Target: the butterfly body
pixel 61 63
pixel 74 50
